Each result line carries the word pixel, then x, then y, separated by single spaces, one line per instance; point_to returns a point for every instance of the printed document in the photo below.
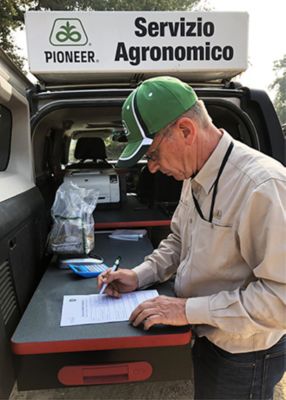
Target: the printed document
pixel 99 308
pixel 128 234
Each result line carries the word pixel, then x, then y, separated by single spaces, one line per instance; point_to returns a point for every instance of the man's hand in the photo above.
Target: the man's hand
pixel 160 310
pixel 120 281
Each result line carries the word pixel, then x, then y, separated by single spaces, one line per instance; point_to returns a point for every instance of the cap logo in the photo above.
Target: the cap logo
pixel 125 128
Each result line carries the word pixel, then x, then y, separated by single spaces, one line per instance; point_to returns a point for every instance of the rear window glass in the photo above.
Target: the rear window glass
pixel 5 136
pixel 113 149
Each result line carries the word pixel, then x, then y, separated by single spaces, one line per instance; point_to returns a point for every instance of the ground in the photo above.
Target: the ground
pixel 179 390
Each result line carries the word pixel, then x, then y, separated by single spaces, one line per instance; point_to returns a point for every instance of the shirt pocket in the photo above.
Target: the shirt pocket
pixel 214 255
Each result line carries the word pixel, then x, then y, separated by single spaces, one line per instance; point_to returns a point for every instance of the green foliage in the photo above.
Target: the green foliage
pixel 279 85
pixel 11 18
pixel 12 13
pixel 116 5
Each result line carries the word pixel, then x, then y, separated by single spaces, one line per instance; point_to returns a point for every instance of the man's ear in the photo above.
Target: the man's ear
pixel 188 128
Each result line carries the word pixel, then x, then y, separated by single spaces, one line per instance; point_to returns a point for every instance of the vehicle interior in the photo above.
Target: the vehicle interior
pixel 68 139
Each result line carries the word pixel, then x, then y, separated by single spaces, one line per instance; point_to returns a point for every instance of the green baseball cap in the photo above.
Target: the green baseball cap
pixel 149 108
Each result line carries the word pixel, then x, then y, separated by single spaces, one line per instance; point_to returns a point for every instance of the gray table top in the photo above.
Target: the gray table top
pixel 132 211
pixel 40 323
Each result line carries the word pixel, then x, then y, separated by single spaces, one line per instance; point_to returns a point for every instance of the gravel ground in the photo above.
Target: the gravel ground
pixel 163 390
pixel 179 390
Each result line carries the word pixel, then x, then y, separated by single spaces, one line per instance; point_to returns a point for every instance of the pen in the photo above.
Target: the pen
pixel 114 268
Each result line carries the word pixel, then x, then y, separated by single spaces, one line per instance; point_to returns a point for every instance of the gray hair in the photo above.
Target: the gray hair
pixel 199 114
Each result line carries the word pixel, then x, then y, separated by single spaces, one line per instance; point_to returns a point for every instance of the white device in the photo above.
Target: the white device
pixel 105 181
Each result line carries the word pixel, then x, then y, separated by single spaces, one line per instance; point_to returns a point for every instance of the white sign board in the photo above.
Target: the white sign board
pixel 85 46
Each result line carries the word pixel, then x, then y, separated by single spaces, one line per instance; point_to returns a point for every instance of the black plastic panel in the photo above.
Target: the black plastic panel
pixel 40 371
pixel 23 231
pixel 258 106
pixel 7 375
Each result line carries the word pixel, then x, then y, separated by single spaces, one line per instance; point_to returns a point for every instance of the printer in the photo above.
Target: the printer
pixel 106 181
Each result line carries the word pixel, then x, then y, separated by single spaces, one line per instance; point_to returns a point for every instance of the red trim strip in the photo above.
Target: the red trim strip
pixel 102 374
pixel 67 346
pixel 131 224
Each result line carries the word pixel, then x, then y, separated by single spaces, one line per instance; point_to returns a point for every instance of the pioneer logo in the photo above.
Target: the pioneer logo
pixel 68 32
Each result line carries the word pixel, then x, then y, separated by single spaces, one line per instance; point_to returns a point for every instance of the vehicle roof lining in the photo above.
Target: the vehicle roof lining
pixel 90 120
pixel 81 118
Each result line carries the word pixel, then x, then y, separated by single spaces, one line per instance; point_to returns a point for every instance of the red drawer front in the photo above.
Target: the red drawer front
pixel 105 373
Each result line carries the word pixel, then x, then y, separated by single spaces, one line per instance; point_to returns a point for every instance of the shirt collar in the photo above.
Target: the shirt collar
pixel 208 173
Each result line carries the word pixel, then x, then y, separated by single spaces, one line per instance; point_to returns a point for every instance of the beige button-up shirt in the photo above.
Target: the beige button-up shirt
pixel 232 271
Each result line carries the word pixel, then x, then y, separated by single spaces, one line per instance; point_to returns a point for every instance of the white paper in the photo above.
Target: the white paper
pixel 128 234
pixel 96 308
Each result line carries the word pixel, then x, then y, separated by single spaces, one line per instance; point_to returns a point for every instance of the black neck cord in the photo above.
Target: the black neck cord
pixel 215 187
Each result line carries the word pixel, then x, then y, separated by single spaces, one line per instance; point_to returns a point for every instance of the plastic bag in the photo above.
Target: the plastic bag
pixel 73 224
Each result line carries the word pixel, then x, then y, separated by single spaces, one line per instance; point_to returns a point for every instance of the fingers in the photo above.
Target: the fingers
pixel 143 315
pixel 109 277
pixel 160 310
pixel 105 277
pixel 111 290
pixel 145 305
pixel 101 280
pixel 120 281
pixel 150 321
pixel 147 313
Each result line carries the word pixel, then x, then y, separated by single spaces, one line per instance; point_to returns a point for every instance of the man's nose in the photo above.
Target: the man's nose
pixel 153 166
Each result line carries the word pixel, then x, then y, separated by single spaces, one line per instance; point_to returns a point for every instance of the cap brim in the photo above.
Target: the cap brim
pixel 132 153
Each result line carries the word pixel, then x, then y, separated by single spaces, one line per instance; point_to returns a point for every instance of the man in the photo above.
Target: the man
pixel 227 245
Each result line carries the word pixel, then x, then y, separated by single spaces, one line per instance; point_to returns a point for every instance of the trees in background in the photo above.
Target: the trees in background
pixel 115 5
pixel 12 13
pixel 279 85
pixel 12 18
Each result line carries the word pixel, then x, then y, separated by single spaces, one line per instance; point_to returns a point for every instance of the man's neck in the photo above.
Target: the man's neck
pixel 206 146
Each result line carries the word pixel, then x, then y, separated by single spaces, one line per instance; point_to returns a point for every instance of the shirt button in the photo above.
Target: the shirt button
pixel 218 214
pixel 191 220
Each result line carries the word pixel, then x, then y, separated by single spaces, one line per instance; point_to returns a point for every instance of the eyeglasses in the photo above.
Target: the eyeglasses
pixel 154 154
